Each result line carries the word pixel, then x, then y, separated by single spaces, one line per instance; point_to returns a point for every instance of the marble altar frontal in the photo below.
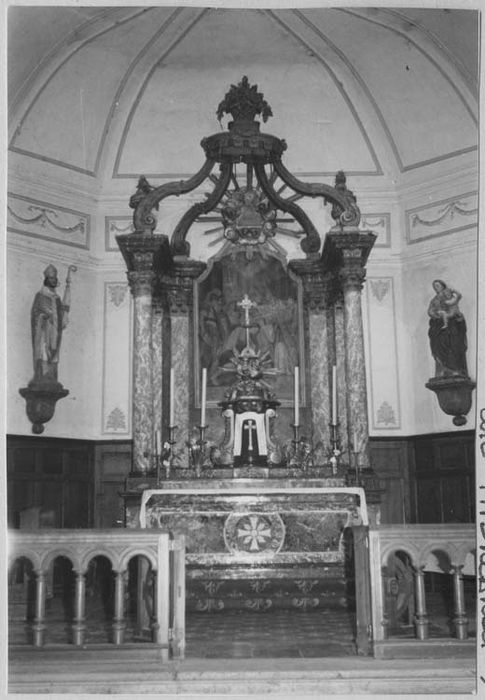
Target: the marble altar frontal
pixel 258 544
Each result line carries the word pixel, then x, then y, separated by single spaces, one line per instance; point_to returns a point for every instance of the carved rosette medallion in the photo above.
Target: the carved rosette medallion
pixel 254 533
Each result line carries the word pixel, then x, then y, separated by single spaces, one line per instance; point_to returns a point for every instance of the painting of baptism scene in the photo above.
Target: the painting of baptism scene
pixel 241 314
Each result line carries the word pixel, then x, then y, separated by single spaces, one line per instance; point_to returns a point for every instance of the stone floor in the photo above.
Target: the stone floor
pixel 286 653
pixel 320 633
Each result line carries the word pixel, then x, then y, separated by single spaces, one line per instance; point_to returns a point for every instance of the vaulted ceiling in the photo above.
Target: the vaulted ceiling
pixel 113 92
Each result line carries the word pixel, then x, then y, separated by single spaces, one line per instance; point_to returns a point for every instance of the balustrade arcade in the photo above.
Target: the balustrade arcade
pixel 166 557
pixel 446 549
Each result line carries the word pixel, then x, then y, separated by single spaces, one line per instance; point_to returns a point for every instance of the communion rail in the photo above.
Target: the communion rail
pixel 390 566
pixel 163 553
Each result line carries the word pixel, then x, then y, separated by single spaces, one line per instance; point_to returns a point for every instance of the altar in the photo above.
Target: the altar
pixel 250 426
pixel 258 544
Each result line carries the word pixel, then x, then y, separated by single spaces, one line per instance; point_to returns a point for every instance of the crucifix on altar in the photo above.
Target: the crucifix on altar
pixel 246 304
pixel 249 406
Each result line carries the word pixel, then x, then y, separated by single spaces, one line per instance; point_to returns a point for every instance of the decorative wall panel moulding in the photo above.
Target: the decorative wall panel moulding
pixel 116 383
pixel 383 356
pixel 51 222
pixel 116 226
pixel 440 218
pixel 385 416
pixel 379 288
pixel 380 224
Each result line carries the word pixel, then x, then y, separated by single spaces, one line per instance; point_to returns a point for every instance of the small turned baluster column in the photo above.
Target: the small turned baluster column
pixel 421 615
pixel 460 619
pixel 78 626
pixel 119 623
pixel 39 625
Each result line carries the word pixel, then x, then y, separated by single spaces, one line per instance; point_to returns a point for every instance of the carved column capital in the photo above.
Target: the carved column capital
pixel 141 282
pixel 317 287
pixel 179 298
pixel 178 285
pixel 346 249
pixel 352 275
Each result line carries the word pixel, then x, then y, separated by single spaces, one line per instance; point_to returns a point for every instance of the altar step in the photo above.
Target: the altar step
pixel 128 671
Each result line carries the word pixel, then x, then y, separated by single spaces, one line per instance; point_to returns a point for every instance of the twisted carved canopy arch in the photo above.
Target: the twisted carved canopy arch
pixel 244 143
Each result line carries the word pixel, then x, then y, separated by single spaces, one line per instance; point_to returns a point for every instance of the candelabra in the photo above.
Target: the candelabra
pixel 335 448
pixel 355 460
pixel 169 452
pixel 198 451
pixel 301 452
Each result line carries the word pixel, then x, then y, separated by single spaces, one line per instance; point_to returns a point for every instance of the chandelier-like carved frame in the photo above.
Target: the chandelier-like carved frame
pixel 244 143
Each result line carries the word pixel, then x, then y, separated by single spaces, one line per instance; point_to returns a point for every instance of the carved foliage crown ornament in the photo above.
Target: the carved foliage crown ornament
pixel 243 102
pixel 243 142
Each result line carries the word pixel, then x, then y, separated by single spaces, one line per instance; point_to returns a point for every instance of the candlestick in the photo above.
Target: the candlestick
pixel 297 396
pixel 204 395
pixel 334 396
pixel 172 397
pixel 170 456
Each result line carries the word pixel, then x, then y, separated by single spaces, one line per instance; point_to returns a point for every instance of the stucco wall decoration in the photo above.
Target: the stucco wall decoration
pixel 114 226
pixel 381 225
pixel 48 221
pixel 440 218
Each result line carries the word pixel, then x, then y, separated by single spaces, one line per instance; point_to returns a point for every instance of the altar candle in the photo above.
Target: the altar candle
pixel 158 444
pixel 204 394
pixel 172 398
pixel 334 396
pixel 297 396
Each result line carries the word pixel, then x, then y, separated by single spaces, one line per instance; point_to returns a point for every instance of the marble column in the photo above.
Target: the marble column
pixel 345 253
pixel 140 253
pixel 141 282
pixel 318 367
pixel 352 279
pixel 338 323
pixel 157 363
pixel 178 290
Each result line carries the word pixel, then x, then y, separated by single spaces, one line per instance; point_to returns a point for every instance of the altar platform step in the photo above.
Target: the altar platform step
pixel 118 671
